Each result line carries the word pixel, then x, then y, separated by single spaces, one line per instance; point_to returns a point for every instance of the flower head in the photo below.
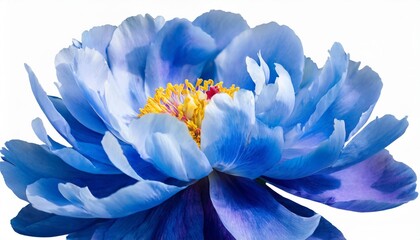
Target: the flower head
pixel 175 127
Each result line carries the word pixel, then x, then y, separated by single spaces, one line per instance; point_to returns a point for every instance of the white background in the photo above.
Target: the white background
pixel 382 34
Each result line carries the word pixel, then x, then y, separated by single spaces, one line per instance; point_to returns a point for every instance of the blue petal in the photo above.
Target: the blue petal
pixel 45 196
pixel 362 121
pixel 72 95
pixel 179 52
pixel 66 199
pixel 80 162
pixel 310 73
pixel 127 54
pixel 98 38
pixel 96 231
pixel 276 101
pixel 15 179
pixel 57 113
pixel 181 217
pixel 259 73
pixel 325 229
pixel 375 184
pixel 65 56
pixel 41 133
pixel 213 227
pixel 32 222
pixel 165 142
pixel 37 161
pixel 132 165
pixel 78 131
pixel 248 210
pixel 297 143
pixel 59 123
pixel 116 156
pixel 360 91
pixel 102 91
pixel 278 44
pixel 322 157
pixel 327 89
pixel 88 142
pixel 320 92
pixel 234 141
pixel 91 73
pixel 371 140
pixel 187 215
pixel 71 156
pixel 222 26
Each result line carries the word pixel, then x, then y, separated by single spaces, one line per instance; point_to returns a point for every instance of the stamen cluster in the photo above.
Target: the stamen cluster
pixel 186 102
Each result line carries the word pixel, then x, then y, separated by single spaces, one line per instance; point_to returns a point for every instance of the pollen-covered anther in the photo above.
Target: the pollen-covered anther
pixel 186 102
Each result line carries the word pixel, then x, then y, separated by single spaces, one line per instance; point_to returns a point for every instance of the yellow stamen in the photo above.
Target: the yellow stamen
pixel 186 102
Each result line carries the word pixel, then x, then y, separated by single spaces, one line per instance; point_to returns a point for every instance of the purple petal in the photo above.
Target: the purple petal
pixel 248 210
pixel 213 227
pixel 374 184
pixel 325 229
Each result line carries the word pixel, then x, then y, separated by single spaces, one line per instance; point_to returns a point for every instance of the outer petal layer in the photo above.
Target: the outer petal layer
pixel 187 215
pixel 371 140
pixel 26 163
pixel 67 199
pixel 324 231
pixel 248 210
pixel 32 222
pixel 179 218
pixel 374 184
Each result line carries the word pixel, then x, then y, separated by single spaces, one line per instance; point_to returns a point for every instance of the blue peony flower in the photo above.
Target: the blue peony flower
pixel 176 127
